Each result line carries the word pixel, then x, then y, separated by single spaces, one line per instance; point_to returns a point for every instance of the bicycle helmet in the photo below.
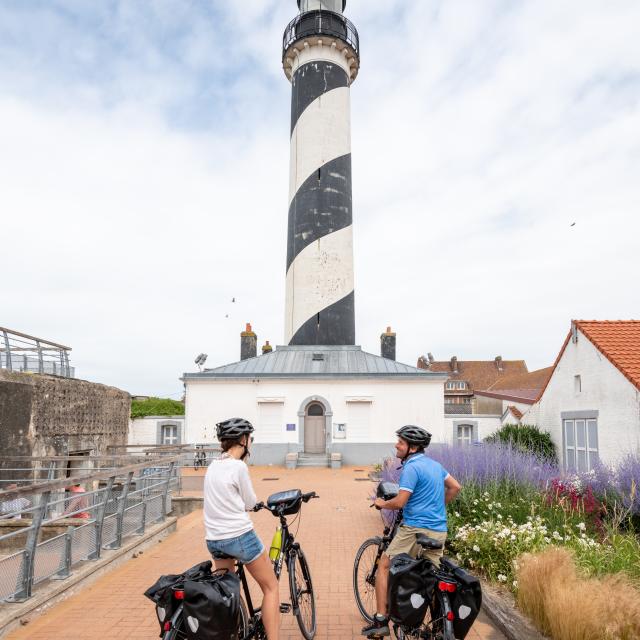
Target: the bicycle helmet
pixel 233 428
pixel 415 436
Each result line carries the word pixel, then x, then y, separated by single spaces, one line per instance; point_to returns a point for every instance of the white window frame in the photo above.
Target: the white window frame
pixel 450 386
pixel 585 454
pixel 464 435
pixel 165 438
pixel 461 385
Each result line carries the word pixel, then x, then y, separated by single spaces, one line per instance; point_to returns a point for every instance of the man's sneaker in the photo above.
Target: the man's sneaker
pixel 378 628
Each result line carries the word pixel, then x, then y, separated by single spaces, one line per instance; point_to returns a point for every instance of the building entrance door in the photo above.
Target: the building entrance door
pixel 314 429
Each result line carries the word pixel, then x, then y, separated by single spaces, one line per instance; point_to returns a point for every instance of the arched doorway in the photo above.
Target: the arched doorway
pixel 315 436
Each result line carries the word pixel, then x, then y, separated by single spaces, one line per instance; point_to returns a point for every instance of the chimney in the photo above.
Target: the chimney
pixel 499 363
pixel 388 344
pixel 454 364
pixel 267 348
pixel 248 344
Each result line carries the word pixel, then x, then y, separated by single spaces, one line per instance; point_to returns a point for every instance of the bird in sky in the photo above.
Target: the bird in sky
pixel 573 224
pixel 233 299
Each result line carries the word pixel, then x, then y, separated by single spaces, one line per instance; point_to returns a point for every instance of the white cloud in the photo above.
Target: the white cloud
pixel 145 168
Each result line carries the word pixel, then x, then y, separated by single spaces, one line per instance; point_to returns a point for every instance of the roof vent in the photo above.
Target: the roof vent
pixel 318 356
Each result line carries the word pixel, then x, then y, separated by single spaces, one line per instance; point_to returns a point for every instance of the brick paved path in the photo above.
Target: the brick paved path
pixel 331 530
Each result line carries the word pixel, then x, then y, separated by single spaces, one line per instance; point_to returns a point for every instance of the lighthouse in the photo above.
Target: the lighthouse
pixel 321 59
pixel 321 399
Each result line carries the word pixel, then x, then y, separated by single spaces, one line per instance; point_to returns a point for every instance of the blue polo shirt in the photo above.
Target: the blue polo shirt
pixel 424 478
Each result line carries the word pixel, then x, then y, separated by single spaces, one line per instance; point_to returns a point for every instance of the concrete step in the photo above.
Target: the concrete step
pixel 314 460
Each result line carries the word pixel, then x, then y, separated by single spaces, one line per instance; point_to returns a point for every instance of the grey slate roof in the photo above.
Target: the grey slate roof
pixel 298 362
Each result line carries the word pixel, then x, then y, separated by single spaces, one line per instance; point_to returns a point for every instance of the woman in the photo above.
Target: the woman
pixel 228 495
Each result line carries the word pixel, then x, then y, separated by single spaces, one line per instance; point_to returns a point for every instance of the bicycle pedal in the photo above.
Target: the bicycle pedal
pixel 285 607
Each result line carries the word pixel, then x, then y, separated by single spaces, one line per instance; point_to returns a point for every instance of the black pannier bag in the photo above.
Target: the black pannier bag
pixel 411 586
pixel 466 601
pixel 161 593
pixel 212 608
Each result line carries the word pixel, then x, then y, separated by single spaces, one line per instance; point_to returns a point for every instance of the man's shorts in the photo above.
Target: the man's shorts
pixel 405 542
pixel 245 548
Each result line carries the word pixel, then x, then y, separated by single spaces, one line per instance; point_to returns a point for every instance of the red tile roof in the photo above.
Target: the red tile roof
pixel 521 387
pixel 479 374
pixel 516 412
pixel 617 340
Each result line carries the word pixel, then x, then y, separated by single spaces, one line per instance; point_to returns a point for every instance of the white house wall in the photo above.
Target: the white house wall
pixel 145 431
pixel 392 403
pixel 483 426
pixel 604 389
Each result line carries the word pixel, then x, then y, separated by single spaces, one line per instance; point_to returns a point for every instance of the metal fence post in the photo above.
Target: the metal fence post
pixel 121 509
pixel 28 563
pixel 102 507
pixel 65 569
pixel 40 362
pixel 8 348
pixel 165 493
pixel 143 522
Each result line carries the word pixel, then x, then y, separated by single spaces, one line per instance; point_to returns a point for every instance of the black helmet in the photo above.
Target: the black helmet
pixel 233 428
pixel 413 435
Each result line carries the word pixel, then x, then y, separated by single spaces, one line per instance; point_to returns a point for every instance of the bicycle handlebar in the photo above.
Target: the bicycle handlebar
pixel 305 498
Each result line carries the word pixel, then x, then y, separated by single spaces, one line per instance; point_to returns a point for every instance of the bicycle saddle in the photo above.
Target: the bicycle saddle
pixel 428 543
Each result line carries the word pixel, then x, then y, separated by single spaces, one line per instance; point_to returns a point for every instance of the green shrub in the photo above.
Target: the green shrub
pixel 156 407
pixel 526 437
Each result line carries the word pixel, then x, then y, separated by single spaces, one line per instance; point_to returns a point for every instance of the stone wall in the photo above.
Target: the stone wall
pixel 44 415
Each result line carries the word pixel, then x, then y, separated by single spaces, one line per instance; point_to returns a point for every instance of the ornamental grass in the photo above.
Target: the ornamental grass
pixel 568 606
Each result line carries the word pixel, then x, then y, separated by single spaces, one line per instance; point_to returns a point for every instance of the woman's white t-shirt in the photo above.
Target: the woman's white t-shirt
pixel 228 495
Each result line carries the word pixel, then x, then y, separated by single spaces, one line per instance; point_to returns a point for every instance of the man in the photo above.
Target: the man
pixel 15 505
pixel 425 490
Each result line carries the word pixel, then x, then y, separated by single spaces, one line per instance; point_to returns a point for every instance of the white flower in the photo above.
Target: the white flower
pixel 456 514
pixel 515 584
pixel 476 548
pixel 502 577
pixel 513 537
pixel 582 526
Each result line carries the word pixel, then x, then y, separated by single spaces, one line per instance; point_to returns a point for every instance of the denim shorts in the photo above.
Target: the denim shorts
pixel 245 548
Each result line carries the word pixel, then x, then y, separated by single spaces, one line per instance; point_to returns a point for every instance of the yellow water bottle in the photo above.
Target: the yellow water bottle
pixel 276 545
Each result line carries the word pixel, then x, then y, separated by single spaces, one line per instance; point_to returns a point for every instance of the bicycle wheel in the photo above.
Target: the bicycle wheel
pixel 177 631
pixel 436 624
pixel 364 580
pixel 302 600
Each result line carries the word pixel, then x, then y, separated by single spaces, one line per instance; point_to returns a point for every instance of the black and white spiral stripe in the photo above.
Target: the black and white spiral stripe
pixel 320 292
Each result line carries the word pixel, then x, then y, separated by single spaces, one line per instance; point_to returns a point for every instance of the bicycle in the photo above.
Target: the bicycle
pixel 368 556
pixel 302 603
pixel 438 622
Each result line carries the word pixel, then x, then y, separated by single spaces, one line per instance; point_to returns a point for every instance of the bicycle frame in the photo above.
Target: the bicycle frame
pixel 288 545
pixel 387 536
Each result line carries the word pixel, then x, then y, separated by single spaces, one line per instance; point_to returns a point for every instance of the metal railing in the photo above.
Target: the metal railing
pixel 316 23
pixel 22 352
pixel 51 527
pixel 189 456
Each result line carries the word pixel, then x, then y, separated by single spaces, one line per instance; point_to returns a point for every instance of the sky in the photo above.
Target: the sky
pixel 144 150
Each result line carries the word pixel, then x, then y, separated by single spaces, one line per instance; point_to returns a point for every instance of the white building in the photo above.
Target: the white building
pixel 316 400
pixel 591 403
pixel 152 430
